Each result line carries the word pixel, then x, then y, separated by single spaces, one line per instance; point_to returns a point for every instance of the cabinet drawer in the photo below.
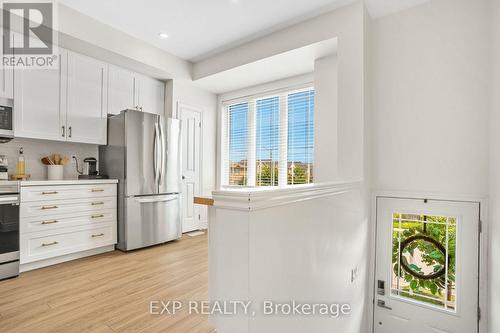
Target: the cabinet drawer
pixel 38 246
pixel 35 224
pixel 45 193
pixel 51 209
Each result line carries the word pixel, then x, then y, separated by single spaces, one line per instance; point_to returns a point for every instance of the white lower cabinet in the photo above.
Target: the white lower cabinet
pixel 57 221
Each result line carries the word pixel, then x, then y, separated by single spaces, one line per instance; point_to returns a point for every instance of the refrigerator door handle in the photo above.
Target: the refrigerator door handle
pixel 155 154
pixel 163 151
pixel 162 198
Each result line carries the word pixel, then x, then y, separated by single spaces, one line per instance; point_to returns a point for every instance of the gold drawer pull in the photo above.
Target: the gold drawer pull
pixel 97 190
pixel 98 235
pixel 49 207
pixel 50 222
pixel 97 203
pixel 97 216
pixel 49 244
pixel 51 192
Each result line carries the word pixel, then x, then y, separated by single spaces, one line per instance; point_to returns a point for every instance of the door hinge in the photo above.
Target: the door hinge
pixel 199 124
pixel 478 313
pixel 199 216
pixel 480 226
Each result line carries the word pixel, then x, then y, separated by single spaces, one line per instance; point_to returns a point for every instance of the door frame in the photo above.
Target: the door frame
pixel 483 246
pixel 203 219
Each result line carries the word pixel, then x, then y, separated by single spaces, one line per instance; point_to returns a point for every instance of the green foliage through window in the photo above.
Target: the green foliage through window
pixel 423 259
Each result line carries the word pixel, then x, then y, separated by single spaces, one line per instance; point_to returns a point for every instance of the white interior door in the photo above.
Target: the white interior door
pixel 426 266
pixel 191 163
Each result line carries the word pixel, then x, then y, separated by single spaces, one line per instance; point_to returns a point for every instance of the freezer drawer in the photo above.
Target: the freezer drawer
pixel 149 220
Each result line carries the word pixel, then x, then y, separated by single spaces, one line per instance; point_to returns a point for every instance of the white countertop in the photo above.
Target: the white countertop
pixel 68 182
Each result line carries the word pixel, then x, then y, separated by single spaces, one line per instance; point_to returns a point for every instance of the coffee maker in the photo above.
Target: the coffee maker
pixel 90 169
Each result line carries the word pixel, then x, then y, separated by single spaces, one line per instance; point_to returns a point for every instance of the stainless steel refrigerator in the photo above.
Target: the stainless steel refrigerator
pixel 143 154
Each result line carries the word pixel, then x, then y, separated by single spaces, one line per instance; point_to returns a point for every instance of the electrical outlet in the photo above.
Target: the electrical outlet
pixel 354 274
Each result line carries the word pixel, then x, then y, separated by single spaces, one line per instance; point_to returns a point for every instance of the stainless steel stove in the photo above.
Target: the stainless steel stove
pixel 9 229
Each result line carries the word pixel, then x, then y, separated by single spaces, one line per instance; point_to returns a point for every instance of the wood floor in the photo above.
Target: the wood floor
pixel 110 292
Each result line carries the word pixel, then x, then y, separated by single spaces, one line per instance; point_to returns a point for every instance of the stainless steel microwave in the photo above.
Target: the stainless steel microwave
pixel 6 120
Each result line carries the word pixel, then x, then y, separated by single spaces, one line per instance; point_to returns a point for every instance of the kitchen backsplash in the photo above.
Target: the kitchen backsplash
pixel 34 150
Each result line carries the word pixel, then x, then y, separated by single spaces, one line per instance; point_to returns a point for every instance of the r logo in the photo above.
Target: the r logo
pixel 37 22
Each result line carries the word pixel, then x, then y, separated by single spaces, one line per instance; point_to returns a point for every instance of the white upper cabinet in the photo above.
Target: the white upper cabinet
pixel 71 103
pixel 39 102
pixel 121 92
pixel 6 81
pixel 87 99
pixel 150 95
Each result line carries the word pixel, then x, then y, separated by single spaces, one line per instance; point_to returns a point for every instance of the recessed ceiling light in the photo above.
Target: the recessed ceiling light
pixel 163 35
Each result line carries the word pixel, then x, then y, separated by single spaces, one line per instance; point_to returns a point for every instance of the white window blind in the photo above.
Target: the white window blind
pixel 269 140
pixel 267 135
pixel 238 144
pixel 300 137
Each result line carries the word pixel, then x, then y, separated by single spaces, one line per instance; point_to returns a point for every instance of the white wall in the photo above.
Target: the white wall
pixel 430 98
pixel 290 246
pixel 325 119
pixel 34 150
pixel 494 211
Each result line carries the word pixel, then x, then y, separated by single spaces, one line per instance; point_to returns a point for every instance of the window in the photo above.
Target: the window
pixel 300 137
pixel 269 140
pixel 238 140
pixel 423 259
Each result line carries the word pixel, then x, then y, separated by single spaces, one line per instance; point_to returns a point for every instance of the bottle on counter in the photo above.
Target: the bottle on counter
pixel 21 164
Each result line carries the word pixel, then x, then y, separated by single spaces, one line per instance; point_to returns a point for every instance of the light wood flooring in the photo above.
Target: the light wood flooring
pixel 110 292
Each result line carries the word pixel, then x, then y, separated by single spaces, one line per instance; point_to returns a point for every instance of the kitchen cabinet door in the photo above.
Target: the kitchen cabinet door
pixel 39 103
pixel 121 90
pixel 150 95
pixel 87 99
pixel 6 80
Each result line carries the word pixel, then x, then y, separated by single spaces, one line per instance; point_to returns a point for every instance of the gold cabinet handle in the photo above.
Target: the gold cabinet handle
pixel 98 235
pixel 97 190
pixel 49 244
pixel 97 203
pixel 51 192
pixel 50 222
pixel 49 207
pixel 97 216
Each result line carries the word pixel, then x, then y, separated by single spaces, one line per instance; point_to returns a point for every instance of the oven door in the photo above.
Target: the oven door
pixel 9 228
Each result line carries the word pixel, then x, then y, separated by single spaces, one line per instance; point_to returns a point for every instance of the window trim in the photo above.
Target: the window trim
pixel 282 92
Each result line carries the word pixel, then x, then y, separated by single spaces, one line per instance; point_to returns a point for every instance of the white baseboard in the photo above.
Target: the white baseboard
pixel 52 261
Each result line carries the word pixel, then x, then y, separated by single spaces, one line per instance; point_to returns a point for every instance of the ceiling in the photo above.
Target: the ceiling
pixel 200 28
